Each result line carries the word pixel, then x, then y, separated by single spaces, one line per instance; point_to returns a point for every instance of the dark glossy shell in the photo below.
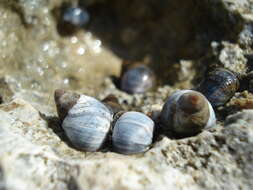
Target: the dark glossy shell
pixel 138 80
pixel 76 16
pixel 219 86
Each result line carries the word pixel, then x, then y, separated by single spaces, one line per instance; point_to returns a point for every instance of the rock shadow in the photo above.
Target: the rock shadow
pixel 72 184
pixel 54 123
pixel 162 32
pixel 2 179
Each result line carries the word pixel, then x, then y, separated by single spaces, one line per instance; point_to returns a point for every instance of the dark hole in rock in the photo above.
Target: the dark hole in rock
pixel 72 184
pixel 55 124
pixel 2 179
pixel 163 32
pixel 5 91
pixel 246 81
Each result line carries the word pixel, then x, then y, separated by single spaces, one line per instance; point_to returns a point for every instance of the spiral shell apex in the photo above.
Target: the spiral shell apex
pixel 87 121
pixel 187 112
pixel 132 133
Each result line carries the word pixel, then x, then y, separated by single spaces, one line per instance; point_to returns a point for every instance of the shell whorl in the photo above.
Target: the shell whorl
pixel 64 102
pixel 187 112
pixel 219 86
pixel 132 133
pixel 87 122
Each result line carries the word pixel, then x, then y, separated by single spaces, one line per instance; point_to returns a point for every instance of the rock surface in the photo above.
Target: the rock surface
pixel 35 154
pixel 37 158
pixel 180 40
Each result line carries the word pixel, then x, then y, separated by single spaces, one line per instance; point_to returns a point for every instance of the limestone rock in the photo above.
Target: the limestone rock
pixel 33 156
pixel 232 57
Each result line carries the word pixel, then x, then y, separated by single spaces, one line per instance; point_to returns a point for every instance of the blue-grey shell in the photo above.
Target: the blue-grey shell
pixel 219 86
pixel 76 16
pixel 88 123
pixel 132 133
pixel 138 80
pixel 168 111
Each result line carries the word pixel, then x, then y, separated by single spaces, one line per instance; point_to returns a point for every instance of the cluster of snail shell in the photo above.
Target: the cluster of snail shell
pixel 88 122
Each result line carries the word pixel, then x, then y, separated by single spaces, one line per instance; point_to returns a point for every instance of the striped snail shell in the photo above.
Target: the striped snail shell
pixel 187 112
pixel 85 120
pixel 219 86
pixel 132 133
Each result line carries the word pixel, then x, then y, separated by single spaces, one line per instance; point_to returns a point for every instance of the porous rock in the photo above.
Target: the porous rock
pixel 33 156
pixel 217 159
pixel 232 57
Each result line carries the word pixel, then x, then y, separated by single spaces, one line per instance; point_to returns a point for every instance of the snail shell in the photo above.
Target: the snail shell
pixel 219 86
pixel 71 19
pixel 132 133
pixel 76 16
pixel 85 120
pixel 187 112
pixel 137 79
pixel 112 103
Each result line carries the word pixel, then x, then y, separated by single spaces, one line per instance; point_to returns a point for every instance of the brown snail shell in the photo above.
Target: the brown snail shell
pixel 112 103
pixel 187 112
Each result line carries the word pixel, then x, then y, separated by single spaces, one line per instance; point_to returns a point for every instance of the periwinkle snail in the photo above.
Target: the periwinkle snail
pixel 219 86
pixel 71 19
pixel 87 123
pixel 132 133
pixel 137 79
pixel 187 112
pixel 85 120
pixel 76 16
